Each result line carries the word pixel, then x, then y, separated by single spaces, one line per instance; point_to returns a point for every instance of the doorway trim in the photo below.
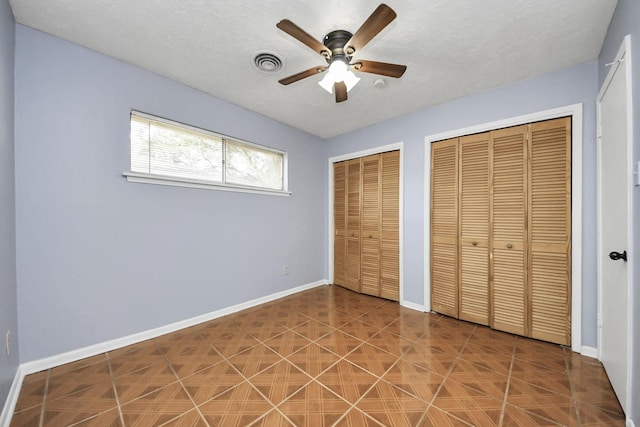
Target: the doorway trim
pixel 576 113
pixel 623 58
pixel 354 155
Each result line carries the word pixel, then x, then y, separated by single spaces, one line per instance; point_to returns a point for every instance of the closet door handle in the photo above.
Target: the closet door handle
pixel 370 236
pixel 474 243
pixel 509 246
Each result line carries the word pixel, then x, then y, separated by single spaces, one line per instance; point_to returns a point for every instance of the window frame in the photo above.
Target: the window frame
pixel 176 181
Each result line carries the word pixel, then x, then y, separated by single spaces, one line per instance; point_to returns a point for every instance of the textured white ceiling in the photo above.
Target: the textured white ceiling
pixel 452 48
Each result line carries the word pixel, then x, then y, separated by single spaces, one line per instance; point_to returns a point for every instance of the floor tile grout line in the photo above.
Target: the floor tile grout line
pixel 398 358
pixel 574 399
pixel 152 342
pixel 44 399
pixel 226 359
pixel 49 376
pixel 274 405
pixel 506 391
pixel 446 376
pixel 115 389
pixel 166 358
pixel 351 405
pixel 255 422
pixel 549 419
pixel 321 372
pixel 380 378
pixel 353 408
pixel 320 337
pixel 542 386
pixel 283 356
pixel 247 379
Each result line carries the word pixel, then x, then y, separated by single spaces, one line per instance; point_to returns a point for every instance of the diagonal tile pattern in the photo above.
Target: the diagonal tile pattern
pixel 392 406
pixel 209 383
pixel 314 405
pixel 347 380
pixel 325 357
pixel 279 381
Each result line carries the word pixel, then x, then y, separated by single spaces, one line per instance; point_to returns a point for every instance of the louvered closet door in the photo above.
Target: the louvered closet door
pixel 474 228
pixel 550 230
pixel 444 227
pixel 354 209
pixel 340 223
pixel 371 225
pixel 508 208
pixel 390 226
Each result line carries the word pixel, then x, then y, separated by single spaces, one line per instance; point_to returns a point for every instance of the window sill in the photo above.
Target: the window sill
pixel 173 181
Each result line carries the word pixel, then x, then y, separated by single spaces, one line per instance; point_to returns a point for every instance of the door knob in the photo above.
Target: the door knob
pixel 617 255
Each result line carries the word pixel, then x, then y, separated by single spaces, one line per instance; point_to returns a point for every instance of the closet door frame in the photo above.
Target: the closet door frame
pixel 354 155
pixel 575 111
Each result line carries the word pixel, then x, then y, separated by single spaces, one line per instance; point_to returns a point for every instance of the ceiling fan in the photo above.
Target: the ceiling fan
pixel 338 49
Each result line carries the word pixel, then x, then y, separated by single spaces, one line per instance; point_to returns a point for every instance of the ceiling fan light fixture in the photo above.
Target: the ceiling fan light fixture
pixel 338 72
pixel 338 47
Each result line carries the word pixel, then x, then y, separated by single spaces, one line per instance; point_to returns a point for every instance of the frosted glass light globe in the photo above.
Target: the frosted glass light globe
pixel 338 70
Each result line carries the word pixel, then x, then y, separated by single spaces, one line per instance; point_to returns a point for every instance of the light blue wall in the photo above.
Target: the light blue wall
pixel 625 21
pixel 561 88
pixel 100 258
pixel 8 302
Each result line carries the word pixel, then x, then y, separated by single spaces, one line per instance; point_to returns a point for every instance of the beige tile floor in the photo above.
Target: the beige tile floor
pixel 326 356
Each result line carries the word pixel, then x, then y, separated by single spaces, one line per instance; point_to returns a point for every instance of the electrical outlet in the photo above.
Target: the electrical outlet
pixel 285 270
pixel 8 343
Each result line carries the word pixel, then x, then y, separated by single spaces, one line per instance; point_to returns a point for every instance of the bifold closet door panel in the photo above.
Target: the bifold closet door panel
pixel 390 226
pixel 340 223
pixel 371 190
pixel 354 211
pixel 444 227
pixel 366 211
pixel 508 245
pixel 474 228
pixel 550 230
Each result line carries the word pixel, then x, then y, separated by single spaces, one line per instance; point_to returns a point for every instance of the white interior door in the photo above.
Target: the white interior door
pixel 613 223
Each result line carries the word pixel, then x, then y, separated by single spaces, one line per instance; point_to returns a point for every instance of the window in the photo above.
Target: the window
pixel 170 153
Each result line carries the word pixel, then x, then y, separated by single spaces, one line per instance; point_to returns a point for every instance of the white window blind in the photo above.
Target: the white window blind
pixel 167 149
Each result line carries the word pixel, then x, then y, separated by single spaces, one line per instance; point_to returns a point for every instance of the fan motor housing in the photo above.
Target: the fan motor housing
pixel 335 41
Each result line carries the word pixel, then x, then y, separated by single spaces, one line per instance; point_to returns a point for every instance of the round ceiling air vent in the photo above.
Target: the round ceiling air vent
pixel 267 62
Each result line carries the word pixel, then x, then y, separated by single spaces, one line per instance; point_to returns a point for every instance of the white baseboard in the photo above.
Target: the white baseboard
pixel 95 349
pixel 589 351
pixel 12 398
pixel 412 306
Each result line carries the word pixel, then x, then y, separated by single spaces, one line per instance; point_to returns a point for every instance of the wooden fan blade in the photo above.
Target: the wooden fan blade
pixel 380 18
pixel 301 75
pixel 382 68
pixel 340 88
pixel 302 36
